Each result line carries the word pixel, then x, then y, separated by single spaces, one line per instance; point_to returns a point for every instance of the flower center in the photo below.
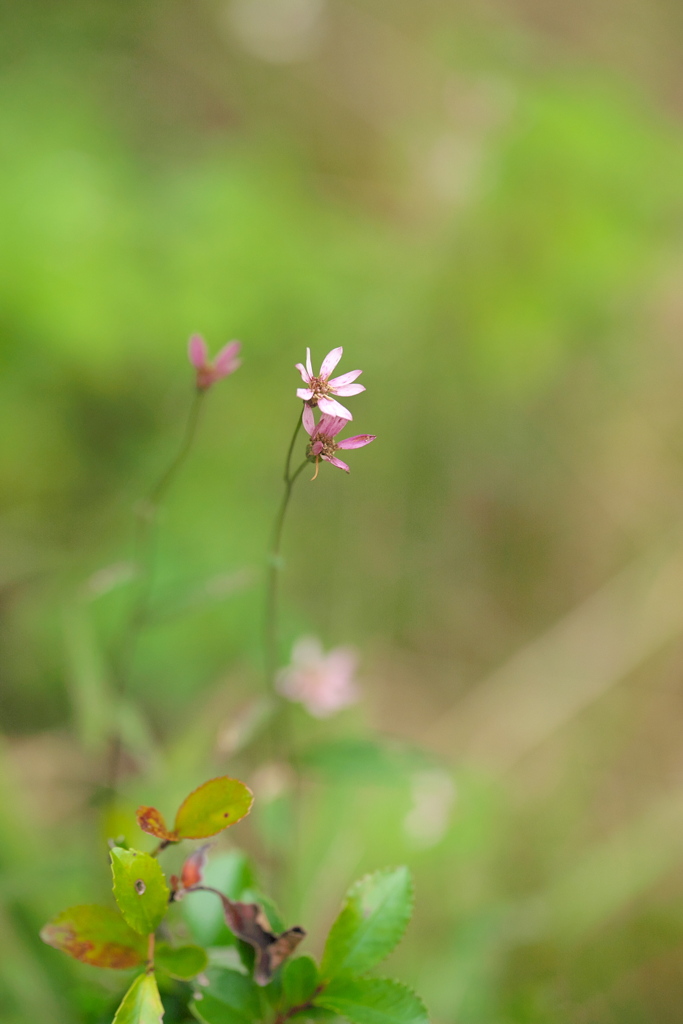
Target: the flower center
pixel 321 445
pixel 205 376
pixel 320 388
pixel 329 447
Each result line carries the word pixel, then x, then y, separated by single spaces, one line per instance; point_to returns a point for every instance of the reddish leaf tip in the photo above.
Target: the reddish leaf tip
pixel 152 822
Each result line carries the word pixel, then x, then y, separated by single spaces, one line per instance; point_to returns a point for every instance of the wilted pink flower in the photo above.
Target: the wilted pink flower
pixel 323 683
pixel 323 445
pixel 318 389
pixel 223 364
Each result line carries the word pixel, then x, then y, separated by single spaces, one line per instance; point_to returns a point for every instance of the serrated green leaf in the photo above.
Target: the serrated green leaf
pixel 212 807
pixel 182 962
pixel 139 889
pixel 230 998
pixel 95 935
pixel 372 1001
pixel 372 921
pixel 299 981
pixel 141 1003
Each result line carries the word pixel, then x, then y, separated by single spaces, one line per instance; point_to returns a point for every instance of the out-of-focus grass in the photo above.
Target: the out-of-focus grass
pixel 496 241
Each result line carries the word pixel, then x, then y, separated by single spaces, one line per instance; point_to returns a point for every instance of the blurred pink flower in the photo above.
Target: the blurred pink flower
pixel 208 372
pixel 318 389
pixel 323 445
pixel 323 683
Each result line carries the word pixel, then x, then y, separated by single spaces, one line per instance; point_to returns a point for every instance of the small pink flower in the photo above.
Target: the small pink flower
pixel 208 372
pixel 323 445
pixel 318 389
pixel 323 683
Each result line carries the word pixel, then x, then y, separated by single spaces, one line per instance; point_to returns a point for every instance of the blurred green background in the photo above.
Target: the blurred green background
pixel 483 203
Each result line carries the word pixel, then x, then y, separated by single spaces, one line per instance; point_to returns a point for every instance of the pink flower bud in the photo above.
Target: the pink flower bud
pixel 223 364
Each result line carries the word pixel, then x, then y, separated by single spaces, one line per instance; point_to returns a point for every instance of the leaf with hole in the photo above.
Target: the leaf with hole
pixel 139 889
pixel 372 921
pixel 98 936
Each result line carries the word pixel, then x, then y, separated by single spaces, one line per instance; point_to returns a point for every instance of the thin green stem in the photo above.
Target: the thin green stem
pixel 158 492
pixel 290 450
pixel 144 558
pixel 274 570
pixel 280 733
pixel 146 536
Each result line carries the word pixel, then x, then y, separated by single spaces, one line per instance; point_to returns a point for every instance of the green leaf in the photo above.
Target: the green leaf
pixel 182 962
pixel 212 807
pixel 371 923
pixel 139 889
pixel 299 981
pixel 141 1003
pixel 95 935
pixel 372 1001
pixel 231 998
pixel 273 990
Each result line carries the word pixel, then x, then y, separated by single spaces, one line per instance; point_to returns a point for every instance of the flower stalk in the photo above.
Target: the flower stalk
pixel 208 372
pixel 145 542
pixel 271 622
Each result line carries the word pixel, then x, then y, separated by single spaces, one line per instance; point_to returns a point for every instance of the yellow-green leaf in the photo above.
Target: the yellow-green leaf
pixel 212 807
pixel 139 889
pixel 95 935
pixel 141 1003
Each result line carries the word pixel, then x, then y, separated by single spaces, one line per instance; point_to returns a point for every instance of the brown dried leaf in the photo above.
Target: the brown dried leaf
pixel 248 922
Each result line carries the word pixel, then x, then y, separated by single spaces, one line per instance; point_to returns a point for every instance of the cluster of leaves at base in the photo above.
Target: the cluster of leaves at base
pixel 372 920
pixel 255 989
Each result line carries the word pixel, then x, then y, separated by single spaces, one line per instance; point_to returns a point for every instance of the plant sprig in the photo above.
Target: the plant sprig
pixel 271 986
